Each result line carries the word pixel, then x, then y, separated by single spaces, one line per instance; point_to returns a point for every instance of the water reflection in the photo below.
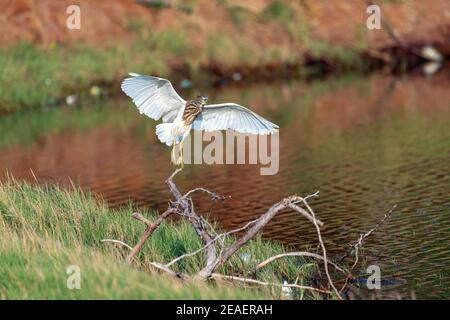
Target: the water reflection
pixel 365 143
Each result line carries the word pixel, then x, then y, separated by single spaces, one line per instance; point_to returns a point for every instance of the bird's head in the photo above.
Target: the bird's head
pixel 202 99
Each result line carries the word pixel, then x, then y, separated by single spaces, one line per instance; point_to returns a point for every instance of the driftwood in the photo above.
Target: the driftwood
pixel 217 253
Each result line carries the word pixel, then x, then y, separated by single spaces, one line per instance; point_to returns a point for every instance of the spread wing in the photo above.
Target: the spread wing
pixel 224 116
pixel 155 97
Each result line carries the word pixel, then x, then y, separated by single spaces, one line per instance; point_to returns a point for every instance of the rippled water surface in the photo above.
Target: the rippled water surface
pixel 364 143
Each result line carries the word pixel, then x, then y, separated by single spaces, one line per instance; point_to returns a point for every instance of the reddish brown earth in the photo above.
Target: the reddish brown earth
pixel 106 22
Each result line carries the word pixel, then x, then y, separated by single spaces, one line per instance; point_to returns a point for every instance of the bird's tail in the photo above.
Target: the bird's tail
pixel 164 133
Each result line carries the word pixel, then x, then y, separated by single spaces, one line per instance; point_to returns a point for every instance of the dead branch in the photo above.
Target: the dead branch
pixel 304 213
pixel 167 270
pixel 218 237
pixel 263 283
pixel 118 242
pixel 186 209
pixel 213 195
pixel 151 227
pixel 258 225
pixel 358 244
pixel 183 206
pixel 297 254
pixel 319 235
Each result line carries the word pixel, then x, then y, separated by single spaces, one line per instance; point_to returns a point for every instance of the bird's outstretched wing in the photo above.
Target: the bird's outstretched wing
pixel 155 97
pixel 224 116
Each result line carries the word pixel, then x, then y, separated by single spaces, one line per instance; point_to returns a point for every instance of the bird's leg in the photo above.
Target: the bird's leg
pixel 180 159
pixel 172 154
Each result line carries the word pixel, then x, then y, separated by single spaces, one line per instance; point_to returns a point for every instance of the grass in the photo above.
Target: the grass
pixel 341 56
pixel 278 10
pixel 32 77
pixel 44 229
pixel 239 15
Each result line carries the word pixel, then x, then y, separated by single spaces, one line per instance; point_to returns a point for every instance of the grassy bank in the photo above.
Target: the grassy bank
pixel 44 60
pixel 45 229
pixel 33 75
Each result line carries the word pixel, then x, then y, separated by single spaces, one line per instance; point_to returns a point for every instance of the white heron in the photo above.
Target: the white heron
pixel 156 98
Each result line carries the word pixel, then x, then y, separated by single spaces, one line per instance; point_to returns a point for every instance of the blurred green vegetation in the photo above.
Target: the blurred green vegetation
pixel 33 77
pixel 279 10
pixel 45 229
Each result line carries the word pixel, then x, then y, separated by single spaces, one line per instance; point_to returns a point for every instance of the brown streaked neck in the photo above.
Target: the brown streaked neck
pixel 192 109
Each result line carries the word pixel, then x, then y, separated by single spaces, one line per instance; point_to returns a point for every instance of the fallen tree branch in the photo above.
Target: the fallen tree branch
pixel 263 283
pixel 358 244
pixel 220 236
pixel 297 254
pixel 167 270
pixel 151 227
pixel 324 251
pixel 258 225
pixel 288 202
pixel 213 195
pixel 304 213
pixel 118 242
pixel 186 208
pixel 212 240
pixel 363 236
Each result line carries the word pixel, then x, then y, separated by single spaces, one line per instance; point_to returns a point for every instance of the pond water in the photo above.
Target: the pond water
pixel 366 143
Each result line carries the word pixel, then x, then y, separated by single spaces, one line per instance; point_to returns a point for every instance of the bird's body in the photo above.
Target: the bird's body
pixel 156 98
pixel 182 124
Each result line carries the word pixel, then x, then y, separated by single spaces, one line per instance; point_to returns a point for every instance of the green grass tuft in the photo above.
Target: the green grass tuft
pixel 45 229
pixel 278 10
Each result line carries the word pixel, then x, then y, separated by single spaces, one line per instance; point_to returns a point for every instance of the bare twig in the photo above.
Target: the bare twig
pixel 363 236
pixel 358 244
pixel 167 270
pixel 213 195
pixel 304 213
pixel 118 242
pixel 263 283
pixel 173 188
pixel 260 223
pixel 325 260
pixel 184 207
pixel 151 227
pixel 297 254
pixel 216 234
pixel 141 218
pixel 220 236
pixel 288 202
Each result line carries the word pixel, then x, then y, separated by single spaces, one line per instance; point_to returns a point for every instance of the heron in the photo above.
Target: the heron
pixel 156 98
